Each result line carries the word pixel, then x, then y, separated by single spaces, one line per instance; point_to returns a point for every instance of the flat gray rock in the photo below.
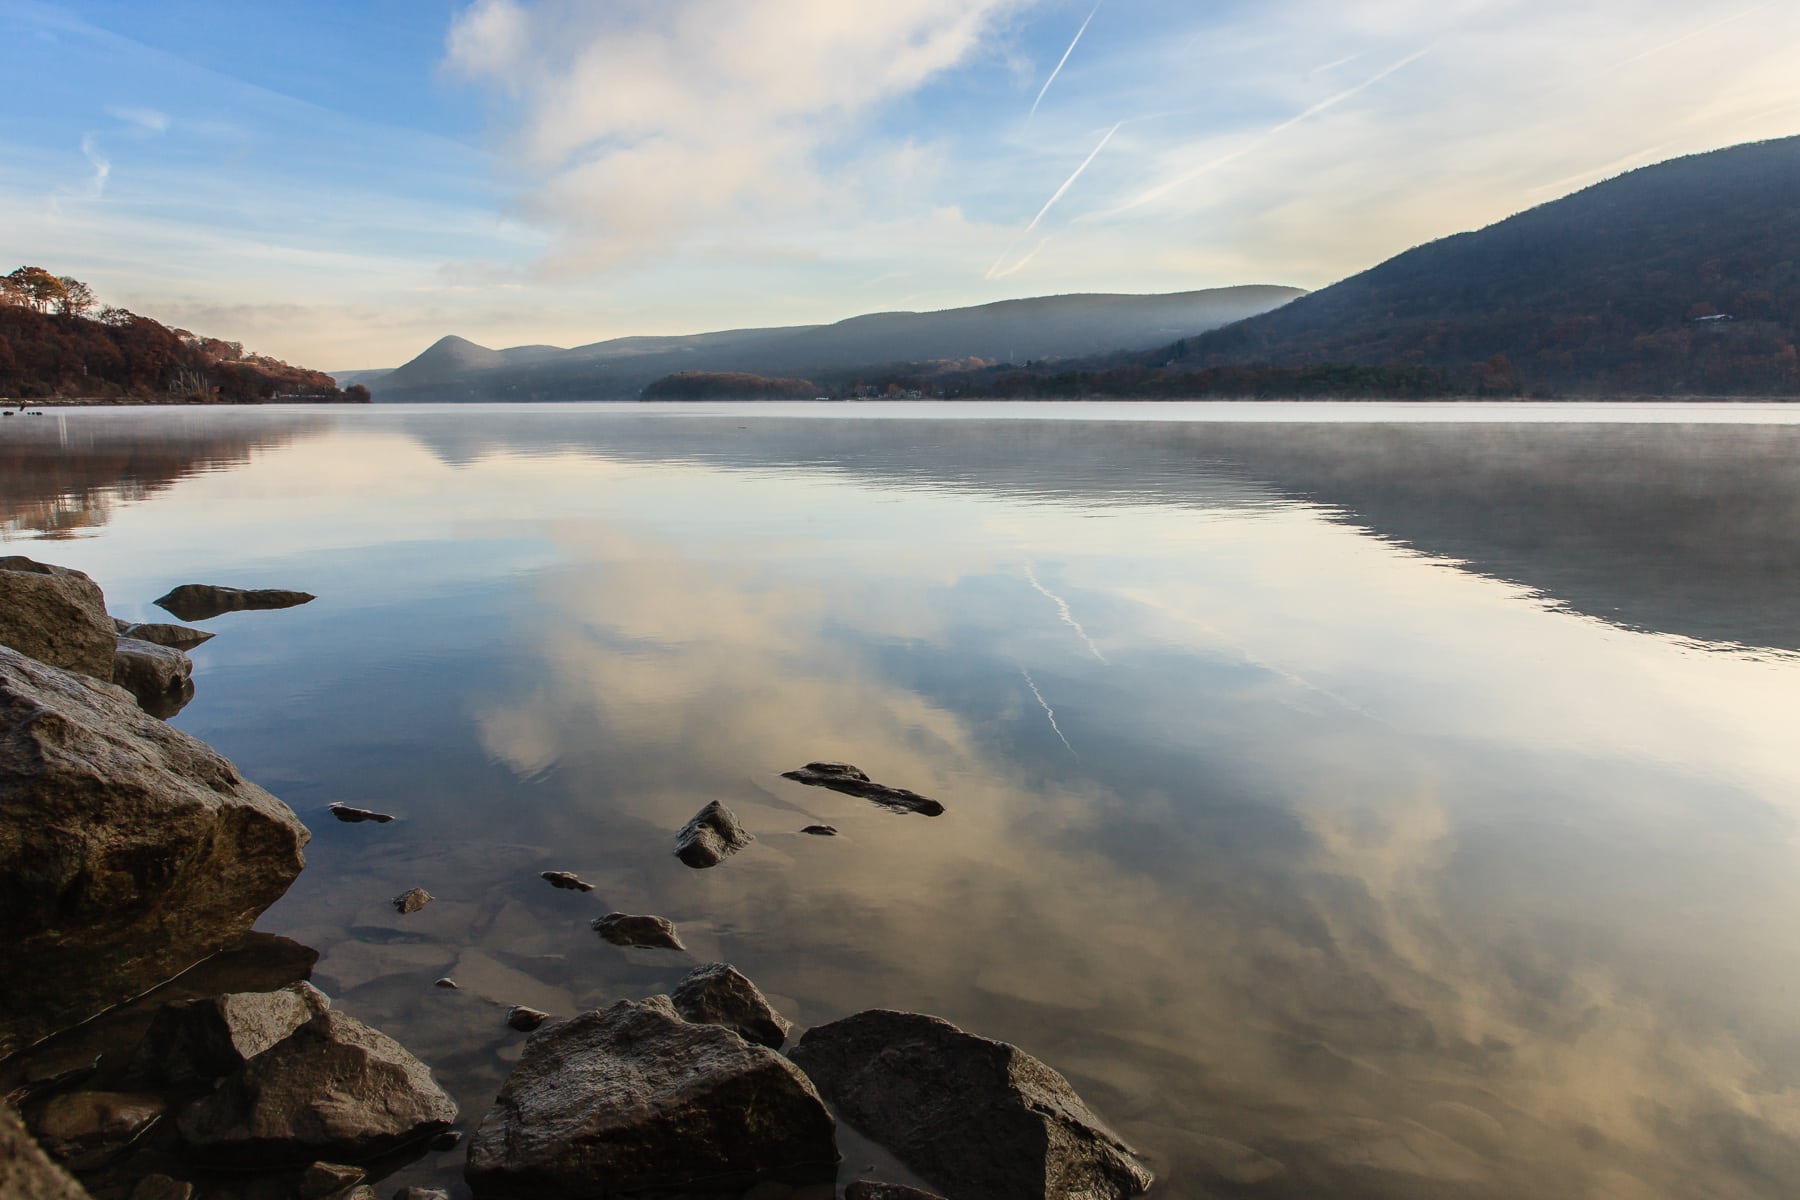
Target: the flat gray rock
pixel 718 994
pixel 713 836
pixel 978 1118
pixel 198 601
pixel 129 851
pixel 55 615
pixel 635 1099
pixel 192 1043
pixel 333 1089
pixel 623 929
pixel 842 777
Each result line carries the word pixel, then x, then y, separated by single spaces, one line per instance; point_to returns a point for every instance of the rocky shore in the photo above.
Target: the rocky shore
pixel 154 1047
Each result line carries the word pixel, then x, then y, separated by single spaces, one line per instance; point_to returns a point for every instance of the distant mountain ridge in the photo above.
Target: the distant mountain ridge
pixel 1677 278
pixel 1071 326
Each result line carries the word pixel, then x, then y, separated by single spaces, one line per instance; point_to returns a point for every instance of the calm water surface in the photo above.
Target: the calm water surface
pixel 1370 802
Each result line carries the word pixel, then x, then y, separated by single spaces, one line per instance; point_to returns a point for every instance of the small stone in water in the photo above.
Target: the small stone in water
pixel 344 812
pixel 565 879
pixel 412 900
pixel 525 1019
pixel 445 982
pixel 821 830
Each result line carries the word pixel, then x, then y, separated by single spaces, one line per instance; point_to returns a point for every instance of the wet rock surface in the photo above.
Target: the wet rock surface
pixel 128 850
pixel 356 816
pixel 199 601
pixel 525 1019
pixel 26 1172
pixel 190 1044
pixel 566 880
pixel 713 836
pixel 718 994
pixel 635 1099
pixel 622 929
pixel 975 1117
pixel 55 615
pixel 159 676
pixel 842 777
pixel 334 1088
pixel 327 1179
pixel 820 830
pixel 412 900
pixel 176 637
pixel 86 1130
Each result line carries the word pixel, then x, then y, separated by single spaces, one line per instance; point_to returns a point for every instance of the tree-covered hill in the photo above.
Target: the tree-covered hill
pixel 54 345
pixel 1678 278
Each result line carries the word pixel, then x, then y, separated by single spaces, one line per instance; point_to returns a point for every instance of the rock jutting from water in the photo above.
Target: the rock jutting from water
pixel 633 1099
pixel 622 929
pixel 566 880
pixel 57 616
pixel 161 677
pixel 129 851
pixel 820 830
pixel 713 836
pixel 718 994
pixel 176 637
pixel 333 1089
pixel 199 601
pixel 524 1019
pixel 355 816
pixel 412 900
pixel 842 777
pixel 193 1043
pixel 972 1116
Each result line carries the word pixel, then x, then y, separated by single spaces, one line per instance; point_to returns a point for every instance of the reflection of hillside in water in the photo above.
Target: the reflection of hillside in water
pixel 1677 529
pixel 59 477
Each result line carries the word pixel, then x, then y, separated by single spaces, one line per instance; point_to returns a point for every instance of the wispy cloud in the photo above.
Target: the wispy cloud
pixel 1057 70
pixel 148 119
pixel 96 184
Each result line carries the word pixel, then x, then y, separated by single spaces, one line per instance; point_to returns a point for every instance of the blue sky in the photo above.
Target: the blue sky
pixel 340 184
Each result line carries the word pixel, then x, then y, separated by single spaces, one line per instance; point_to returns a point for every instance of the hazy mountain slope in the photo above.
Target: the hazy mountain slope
pixel 1603 290
pixel 1045 327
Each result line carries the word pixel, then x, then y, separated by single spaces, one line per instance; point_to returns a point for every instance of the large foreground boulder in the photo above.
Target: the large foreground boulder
pixel 191 1043
pixel 980 1119
pixel 198 601
pixel 634 1099
pixel 26 1172
pixel 55 615
pixel 128 850
pixel 333 1089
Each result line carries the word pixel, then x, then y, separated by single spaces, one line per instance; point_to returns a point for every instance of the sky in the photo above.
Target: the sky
pixel 340 183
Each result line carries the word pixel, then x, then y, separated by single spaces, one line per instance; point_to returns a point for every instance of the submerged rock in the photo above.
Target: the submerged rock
pixel 57 616
pixel 651 932
pixel 198 601
pixel 412 900
pixel 564 879
pixel 972 1116
pixel 26 1171
pixel 176 637
pixel 842 777
pixel 717 994
pixel 334 1088
pixel 525 1019
pixel 635 1099
pixel 355 816
pixel 713 836
pixel 193 1043
pixel 87 1130
pixel 129 851
pixel 159 676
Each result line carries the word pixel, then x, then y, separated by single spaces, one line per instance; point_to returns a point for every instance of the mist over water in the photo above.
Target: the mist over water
pixel 1369 802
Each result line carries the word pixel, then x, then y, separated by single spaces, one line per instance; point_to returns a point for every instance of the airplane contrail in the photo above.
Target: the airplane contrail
pixel 1059 64
pixel 1690 35
pixel 1048 711
pixel 1049 204
pixel 1329 102
pixel 1062 608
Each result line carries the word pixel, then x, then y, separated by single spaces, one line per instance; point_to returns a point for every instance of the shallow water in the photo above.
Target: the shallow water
pixel 1377 801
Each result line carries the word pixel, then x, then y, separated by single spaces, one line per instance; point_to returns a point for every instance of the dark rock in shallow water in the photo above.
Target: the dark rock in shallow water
pixel 355 816
pixel 159 676
pixel 193 1043
pixel 198 601
pixel 634 1099
pixel 563 879
pixel 820 830
pixel 445 982
pixel 334 1088
pixel 842 777
pixel 525 1019
pixel 869 1189
pixel 412 900
pixel 713 836
pixel 57 616
pixel 87 1130
pixel 975 1117
pixel 26 1172
pixel 176 637
pixel 717 994
pixel 128 850
pixel 656 933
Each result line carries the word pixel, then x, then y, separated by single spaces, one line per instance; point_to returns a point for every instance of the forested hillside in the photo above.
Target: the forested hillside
pixel 56 341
